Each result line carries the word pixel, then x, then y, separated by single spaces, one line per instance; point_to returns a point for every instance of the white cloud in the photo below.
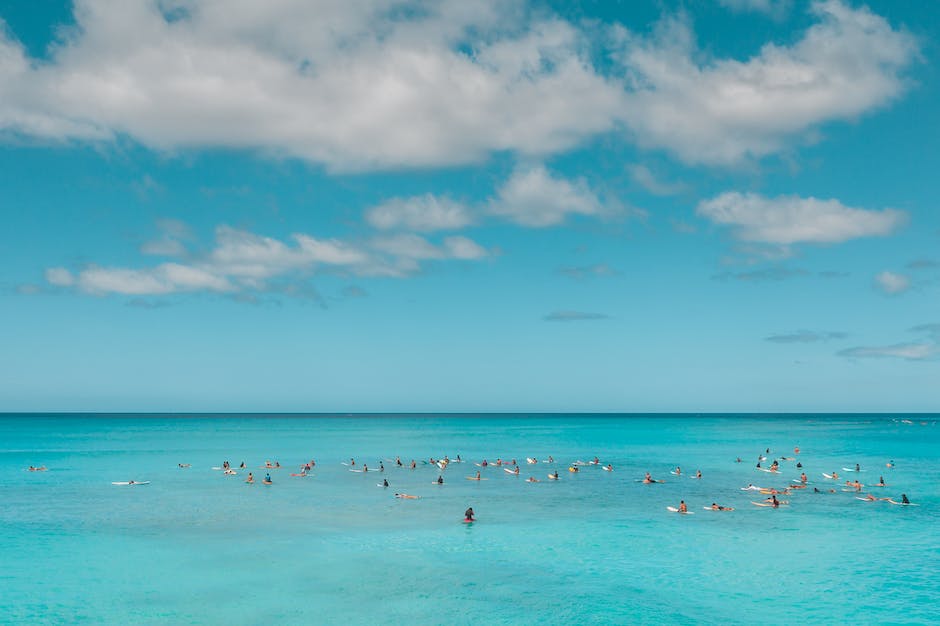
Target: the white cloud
pixel 353 85
pixel 533 197
pixel 908 351
pixel 410 83
pixel 419 213
pixel 721 111
pixel 789 220
pixel 242 262
pixel 773 8
pixel 889 282
pixel 59 277
pixel 643 176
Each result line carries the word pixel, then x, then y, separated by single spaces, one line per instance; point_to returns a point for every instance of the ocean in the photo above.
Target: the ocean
pixel 195 546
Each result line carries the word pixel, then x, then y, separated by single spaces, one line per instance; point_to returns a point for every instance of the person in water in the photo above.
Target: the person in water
pixel 904 499
pixel 775 502
pixel 698 473
pixel 857 468
pixel 478 476
pixel 267 478
pixel 381 466
pixel 881 481
pixel 468 514
pixel 251 478
pixel 799 465
pixel 440 479
pixel 682 507
pixel 555 475
pixel 718 507
pixel 385 482
pixel 803 478
pixel 678 471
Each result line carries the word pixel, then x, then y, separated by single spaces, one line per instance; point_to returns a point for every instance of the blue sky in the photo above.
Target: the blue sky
pixel 718 205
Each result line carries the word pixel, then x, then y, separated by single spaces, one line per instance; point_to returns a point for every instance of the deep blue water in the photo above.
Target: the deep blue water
pixel 196 546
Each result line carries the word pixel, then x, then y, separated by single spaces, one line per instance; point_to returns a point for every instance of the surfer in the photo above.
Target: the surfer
pixel 857 468
pixel 468 514
pixel 555 475
pixel 904 499
pixel 478 476
pixel 440 479
pixel 184 465
pixel 532 479
pixel 398 461
pixel 881 481
pixel 683 508
pixel 718 507
pixel 267 479
pixel 406 496
pixel 698 473
pixel 773 500
pixel 413 464
pixel 610 467
pixel 251 478
pixel 385 482
pixel 678 471
pixel 803 478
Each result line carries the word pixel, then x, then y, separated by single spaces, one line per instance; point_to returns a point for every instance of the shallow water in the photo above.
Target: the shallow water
pixel 196 546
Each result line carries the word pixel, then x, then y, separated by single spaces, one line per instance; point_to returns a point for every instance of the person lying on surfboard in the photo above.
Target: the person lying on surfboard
pixel 718 507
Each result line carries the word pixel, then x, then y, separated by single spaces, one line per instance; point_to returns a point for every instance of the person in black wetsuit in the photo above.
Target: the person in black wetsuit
pixel 468 514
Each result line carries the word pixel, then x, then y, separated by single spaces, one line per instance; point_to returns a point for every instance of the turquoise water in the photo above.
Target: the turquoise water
pixel 198 547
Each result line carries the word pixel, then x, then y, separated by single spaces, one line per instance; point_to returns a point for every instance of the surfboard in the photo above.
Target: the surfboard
pixel 851 469
pixel 608 469
pixel 675 510
pixel 830 476
pixel 530 460
pixel 770 504
pixel 727 508
pixel 865 499
pixel 136 482
pixel 903 503
pixel 552 477
pixel 475 478
pixel 509 471
pixel 468 521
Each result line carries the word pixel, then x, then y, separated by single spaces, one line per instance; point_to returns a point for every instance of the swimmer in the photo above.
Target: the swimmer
pixel 683 508
pixel 468 514
pixel 251 478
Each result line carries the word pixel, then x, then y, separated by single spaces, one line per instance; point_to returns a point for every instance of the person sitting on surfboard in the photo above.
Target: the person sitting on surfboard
pixel 440 480
pixel 682 507
pixel 904 499
pixel 555 475
pixel 698 473
pixel 881 481
pixel 251 478
pixel 267 478
pixel 468 514
pixel 385 482
pixel 477 476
